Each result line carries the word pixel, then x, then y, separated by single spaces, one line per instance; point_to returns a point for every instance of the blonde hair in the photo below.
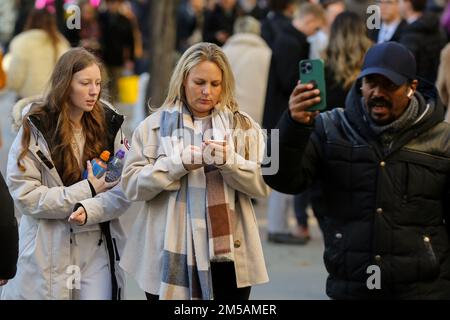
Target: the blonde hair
pixel 347 47
pixel 196 54
pixel 247 24
pixel 306 9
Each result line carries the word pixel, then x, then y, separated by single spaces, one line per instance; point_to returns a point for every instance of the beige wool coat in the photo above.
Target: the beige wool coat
pixel 31 62
pixel 151 176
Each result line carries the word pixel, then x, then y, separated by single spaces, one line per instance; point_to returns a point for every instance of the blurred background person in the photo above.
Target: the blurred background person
pixel 90 31
pixel 343 61
pixel 141 10
pixel 253 8
pixel 22 9
pixel 127 10
pixel 278 18
pixel 344 56
pixel 318 44
pixel 190 20
pixel 319 40
pixel 359 7
pixel 249 57
pixel 289 47
pixel 392 24
pixel 423 36
pixel 117 43
pixel 33 54
pixel 219 22
pixel 8 15
pixel 445 20
pixel 443 80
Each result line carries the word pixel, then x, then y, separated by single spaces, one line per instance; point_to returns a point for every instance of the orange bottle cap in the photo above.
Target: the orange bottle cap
pixel 105 155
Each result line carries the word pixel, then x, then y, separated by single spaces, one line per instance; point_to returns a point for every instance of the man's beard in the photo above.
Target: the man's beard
pixel 380 102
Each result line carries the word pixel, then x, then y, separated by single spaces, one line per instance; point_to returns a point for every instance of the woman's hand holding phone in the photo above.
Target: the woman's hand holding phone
pixel 216 152
pixel 192 157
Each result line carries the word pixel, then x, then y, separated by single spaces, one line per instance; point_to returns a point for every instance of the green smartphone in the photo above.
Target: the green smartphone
pixel 312 71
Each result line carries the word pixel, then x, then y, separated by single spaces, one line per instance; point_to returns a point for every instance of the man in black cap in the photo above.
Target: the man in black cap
pixel 383 164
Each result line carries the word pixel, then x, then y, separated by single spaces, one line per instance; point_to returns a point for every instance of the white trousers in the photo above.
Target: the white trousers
pixel 91 259
pixel 278 208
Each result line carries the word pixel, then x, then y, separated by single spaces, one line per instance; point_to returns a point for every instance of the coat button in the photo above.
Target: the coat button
pixel 382 164
pixel 426 239
pixel 237 243
pixel 338 235
pixel 377 258
pixel 379 210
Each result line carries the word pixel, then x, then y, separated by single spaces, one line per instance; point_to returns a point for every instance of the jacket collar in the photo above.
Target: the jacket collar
pixel 431 112
pixel 39 139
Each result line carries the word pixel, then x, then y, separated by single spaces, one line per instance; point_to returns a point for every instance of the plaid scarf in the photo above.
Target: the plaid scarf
pixel 199 218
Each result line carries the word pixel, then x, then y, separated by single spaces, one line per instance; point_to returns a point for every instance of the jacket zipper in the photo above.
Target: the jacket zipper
pixel 115 249
pixel 45 151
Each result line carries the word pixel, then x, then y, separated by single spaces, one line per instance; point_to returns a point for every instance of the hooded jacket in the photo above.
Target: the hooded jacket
pixel 45 203
pixel 425 38
pixel 289 47
pixel 387 212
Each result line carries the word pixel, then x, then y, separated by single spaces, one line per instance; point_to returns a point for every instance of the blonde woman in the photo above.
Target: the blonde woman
pixel 196 236
pixel 344 56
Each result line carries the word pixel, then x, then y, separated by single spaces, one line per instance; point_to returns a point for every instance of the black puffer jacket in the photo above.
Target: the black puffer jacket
pixel 289 47
pixel 381 209
pixel 9 237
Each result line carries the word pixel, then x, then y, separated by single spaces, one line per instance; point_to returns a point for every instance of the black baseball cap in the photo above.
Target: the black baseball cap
pixel 390 59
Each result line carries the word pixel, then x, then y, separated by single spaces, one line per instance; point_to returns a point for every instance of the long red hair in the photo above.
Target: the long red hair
pixel 55 123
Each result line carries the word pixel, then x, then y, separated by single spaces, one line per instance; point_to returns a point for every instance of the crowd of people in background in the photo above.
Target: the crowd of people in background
pixel 117 31
pixel 263 40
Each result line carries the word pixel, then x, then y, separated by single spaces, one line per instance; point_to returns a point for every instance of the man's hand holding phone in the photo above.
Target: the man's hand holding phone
pixel 302 98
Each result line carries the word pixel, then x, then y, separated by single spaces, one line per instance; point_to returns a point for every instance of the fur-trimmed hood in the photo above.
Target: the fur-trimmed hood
pixel 19 110
pixel 22 106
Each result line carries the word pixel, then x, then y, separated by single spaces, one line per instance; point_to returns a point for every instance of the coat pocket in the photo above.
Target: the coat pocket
pixel 153 153
pixel 334 253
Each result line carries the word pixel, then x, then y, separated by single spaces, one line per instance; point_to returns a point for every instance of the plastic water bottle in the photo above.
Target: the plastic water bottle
pixel 99 165
pixel 115 167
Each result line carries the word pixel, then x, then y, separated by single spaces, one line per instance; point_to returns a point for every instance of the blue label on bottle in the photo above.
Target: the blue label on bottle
pixel 97 170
